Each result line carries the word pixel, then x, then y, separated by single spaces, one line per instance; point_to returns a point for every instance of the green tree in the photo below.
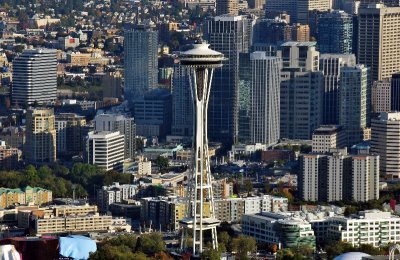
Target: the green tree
pixel 150 244
pixel 244 245
pixel 248 186
pixel 211 254
pixel 108 252
pixel 162 163
pixel 225 242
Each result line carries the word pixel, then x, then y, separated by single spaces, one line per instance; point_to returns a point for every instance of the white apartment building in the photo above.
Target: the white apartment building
pixel 372 227
pixel 115 193
pixel 106 150
pixel 327 137
pixel 365 177
pixel 385 141
pixel 381 96
pixel 144 168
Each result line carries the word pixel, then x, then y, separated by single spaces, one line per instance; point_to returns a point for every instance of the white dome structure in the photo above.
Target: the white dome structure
pixel 351 256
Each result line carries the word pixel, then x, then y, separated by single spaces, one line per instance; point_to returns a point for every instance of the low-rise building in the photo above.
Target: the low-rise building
pixel 115 193
pixel 327 137
pixel 9 156
pixel 27 195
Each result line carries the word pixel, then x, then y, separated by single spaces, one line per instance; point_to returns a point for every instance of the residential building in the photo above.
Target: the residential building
pixel 182 104
pixel 115 193
pixel 222 188
pixel 327 137
pixel 68 42
pixel 9 156
pixel 335 32
pixel 141 65
pixel 280 229
pixel 24 196
pixel 34 77
pixel 385 141
pixel 395 92
pixel 338 176
pixel 70 129
pixel 40 145
pixel 230 36
pixel 105 149
pixel 354 102
pixel 144 167
pixel 78 59
pixel 112 85
pixel 331 65
pixel 124 124
pixel 380 100
pixel 229 7
pixel 378 40
pixel 265 98
pixel 301 91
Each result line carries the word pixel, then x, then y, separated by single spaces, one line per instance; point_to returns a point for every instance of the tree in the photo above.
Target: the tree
pixel 267 187
pixel 225 241
pixel 243 245
pixel 211 254
pixel 248 186
pixel 150 244
pixel 162 163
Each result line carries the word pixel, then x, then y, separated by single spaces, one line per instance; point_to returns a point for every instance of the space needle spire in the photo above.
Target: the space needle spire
pixel 200 218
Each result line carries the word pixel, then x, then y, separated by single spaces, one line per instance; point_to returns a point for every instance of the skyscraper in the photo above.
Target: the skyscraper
pixel 34 77
pixel 124 124
pixel 395 92
pixel 40 145
pixel 302 88
pixel 353 102
pixel 331 65
pixel 70 133
pixel 335 32
pixel 385 141
pixel 379 40
pixel 380 100
pixel 182 104
pixel 228 35
pixel 227 7
pixel 140 61
pixel 244 97
pixel 265 98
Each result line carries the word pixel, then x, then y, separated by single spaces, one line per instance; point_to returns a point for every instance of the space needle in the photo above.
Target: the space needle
pixel 200 62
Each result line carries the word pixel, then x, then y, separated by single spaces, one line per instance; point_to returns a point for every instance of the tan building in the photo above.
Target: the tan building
pixel 379 40
pixel 327 137
pixel 78 59
pixel 28 195
pixel 40 146
pixel 300 32
pixel 227 7
pixel 381 93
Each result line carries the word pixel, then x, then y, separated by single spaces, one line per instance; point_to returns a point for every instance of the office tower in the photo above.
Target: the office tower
pixel 300 32
pixel 337 176
pixel 389 3
pixel 34 77
pixel 112 84
pixel 228 35
pixel 70 132
pixel 182 104
pixel 154 113
pixel 278 31
pixel 378 40
pixel 40 145
pixel 227 7
pixel 395 92
pixel 244 97
pixel 380 100
pixel 279 6
pixel 200 205
pixel 124 124
pixel 305 6
pixel 353 102
pixel 105 149
pixel 331 65
pixel 256 4
pixel 265 98
pixel 327 137
pixel 140 61
pixel 301 91
pixel 335 32
pixel 385 141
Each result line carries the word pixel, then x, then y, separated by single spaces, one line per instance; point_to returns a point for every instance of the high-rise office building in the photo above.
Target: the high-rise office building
pixel 124 124
pixel 244 97
pixel 395 92
pixel 265 98
pixel 228 35
pixel 353 102
pixel 70 133
pixel 106 150
pixel 182 104
pixel 227 7
pixel 331 65
pixel 338 176
pixel 327 137
pixel 385 141
pixel 302 88
pixel 378 40
pixel 335 32
pixel 40 145
pixel 380 100
pixel 34 77
pixel 140 61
